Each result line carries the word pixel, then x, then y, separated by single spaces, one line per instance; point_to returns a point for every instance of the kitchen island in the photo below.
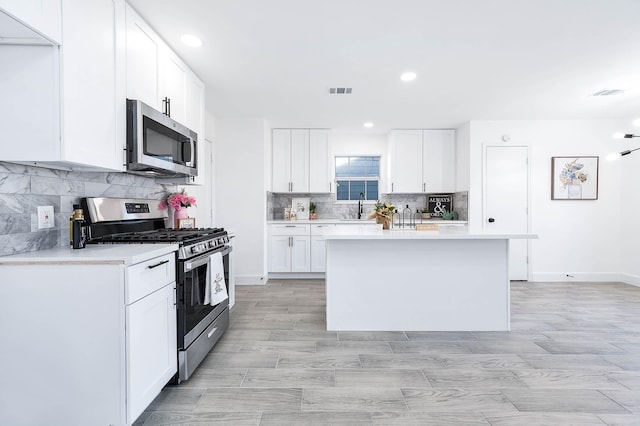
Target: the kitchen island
pixel 445 280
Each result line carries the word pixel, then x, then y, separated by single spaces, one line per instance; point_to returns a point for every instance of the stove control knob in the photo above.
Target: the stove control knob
pixel 194 250
pixel 212 244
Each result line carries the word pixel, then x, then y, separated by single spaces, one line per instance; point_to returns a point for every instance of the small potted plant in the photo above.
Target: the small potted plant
pixel 312 211
pixel 382 213
pixel 425 213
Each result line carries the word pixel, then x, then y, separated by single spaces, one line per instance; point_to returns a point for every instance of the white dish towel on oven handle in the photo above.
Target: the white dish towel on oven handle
pixel 216 288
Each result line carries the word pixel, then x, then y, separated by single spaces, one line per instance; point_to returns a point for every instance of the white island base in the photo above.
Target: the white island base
pixel 417 283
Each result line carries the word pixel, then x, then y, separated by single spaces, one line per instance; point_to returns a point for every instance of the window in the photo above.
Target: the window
pixel 355 175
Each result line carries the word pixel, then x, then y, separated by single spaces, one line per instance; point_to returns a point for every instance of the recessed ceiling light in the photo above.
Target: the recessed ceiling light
pixel 408 76
pixel 368 124
pixel 608 92
pixel 191 40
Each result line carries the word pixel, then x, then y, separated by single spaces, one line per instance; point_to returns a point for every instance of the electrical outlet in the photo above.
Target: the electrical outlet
pixel 45 217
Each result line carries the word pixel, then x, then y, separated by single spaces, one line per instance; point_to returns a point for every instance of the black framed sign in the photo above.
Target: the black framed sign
pixel 439 203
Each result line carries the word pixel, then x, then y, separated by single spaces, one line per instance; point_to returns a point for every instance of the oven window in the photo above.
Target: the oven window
pixel 194 288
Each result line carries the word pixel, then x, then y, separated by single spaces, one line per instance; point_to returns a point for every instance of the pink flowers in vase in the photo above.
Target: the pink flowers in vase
pixel 178 201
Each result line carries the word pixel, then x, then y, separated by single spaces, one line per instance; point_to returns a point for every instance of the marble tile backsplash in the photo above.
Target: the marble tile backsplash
pixel 328 208
pixel 24 188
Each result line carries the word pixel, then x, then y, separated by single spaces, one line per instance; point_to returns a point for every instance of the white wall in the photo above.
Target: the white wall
pixel 240 192
pixel 629 207
pixel 579 238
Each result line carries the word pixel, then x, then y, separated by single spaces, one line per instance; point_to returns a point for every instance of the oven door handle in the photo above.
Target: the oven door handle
pixel 203 260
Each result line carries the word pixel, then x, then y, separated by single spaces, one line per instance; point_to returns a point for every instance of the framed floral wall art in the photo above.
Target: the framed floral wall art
pixel 574 178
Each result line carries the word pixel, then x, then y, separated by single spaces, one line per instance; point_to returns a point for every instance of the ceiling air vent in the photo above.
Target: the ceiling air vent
pixel 609 92
pixel 340 90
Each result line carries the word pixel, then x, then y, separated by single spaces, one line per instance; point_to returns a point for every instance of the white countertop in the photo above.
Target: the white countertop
pixel 358 221
pixel 127 254
pixel 444 233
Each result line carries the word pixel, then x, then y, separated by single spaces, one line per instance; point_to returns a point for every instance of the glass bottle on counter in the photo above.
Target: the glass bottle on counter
pixel 79 228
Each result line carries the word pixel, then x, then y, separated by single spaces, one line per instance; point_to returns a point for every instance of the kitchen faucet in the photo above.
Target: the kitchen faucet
pixel 360 204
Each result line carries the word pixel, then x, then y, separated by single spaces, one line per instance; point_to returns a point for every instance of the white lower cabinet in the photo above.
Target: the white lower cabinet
pixel 94 339
pixel 319 246
pixel 289 248
pixel 151 347
pixel 301 248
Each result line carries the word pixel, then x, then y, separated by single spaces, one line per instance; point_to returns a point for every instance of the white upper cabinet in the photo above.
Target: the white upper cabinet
pixel 281 160
pixel 93 83
pixel 158 77
pixel 42 16
pixel 74 92
pixel 173 74
pixel 438 160
pixel 319 170
pixel 405 166
pixel 300 160
pixel 143 57
pixel 290 160
pixel 422 161
pixel 155 74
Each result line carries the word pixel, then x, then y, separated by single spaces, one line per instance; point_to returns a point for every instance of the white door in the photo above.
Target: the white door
pixel 506 197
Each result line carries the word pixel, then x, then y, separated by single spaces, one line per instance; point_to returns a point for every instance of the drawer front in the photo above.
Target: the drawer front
pixel 290 229
pixel 146 277
pixel 321 228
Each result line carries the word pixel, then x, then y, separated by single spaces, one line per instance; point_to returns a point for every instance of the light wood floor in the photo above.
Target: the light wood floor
pixel 572 358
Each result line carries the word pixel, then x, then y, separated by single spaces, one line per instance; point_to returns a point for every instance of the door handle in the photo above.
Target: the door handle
pixel 491 220
pixel 157 264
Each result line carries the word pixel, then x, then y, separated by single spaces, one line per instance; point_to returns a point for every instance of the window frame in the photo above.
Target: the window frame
pixel 357 178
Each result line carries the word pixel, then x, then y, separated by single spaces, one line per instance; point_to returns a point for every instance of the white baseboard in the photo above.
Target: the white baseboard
pixel 251 280
pixel 630 279
pixel 296 276
pixel 576 276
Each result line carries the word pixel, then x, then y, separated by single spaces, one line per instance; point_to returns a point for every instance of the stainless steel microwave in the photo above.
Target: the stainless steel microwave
pixel 158 145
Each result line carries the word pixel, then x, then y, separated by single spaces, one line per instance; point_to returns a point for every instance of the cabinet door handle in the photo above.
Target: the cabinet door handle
pixel 329 186
pixel 169 107
pixel 157 264
pixel 424 187
pixel 391 186
pixel 289 226
pixel 211 332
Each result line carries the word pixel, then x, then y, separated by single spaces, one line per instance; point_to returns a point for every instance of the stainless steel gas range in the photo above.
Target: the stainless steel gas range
pixel 199 325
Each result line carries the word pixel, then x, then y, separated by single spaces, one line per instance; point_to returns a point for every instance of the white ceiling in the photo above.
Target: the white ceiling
pixel 475 59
